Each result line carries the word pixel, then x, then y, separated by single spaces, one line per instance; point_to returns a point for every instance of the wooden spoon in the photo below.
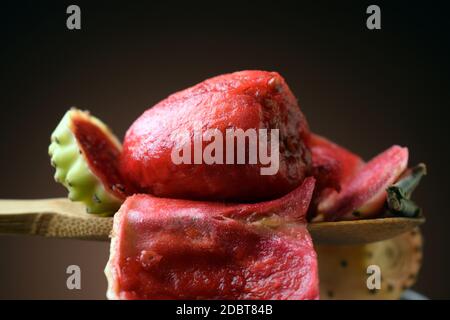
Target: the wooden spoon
pixel 58 217
pixel 61 218
pixel 361 231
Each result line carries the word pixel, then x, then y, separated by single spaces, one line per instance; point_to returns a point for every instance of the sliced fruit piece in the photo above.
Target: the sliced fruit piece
pixel 332 166
pixel 343 269
pixel 85 155
pixel 180 249
pixel 364 194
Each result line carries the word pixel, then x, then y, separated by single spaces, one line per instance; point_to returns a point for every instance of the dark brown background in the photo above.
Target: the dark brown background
pixel 365 89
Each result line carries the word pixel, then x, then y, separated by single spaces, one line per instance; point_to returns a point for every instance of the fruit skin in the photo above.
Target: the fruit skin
pixel 73 170
pixel 241 100
pixel 364 195
pixel 181 249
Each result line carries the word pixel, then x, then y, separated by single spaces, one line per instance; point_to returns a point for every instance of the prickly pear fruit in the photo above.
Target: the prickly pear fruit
pixel 182 249
pixel 85 155
pixel 364 194
pixel 344 269
pixel 241 100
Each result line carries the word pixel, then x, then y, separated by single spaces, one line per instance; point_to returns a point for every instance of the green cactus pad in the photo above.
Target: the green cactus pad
pixel 85 155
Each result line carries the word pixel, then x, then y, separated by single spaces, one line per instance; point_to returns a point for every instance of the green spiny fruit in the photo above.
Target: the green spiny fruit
pixel 73 153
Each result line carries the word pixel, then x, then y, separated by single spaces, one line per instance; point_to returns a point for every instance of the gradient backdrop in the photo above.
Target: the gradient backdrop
pixel 365 89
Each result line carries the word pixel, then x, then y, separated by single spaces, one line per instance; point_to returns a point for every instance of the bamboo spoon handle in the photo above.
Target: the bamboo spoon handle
pixel 56 217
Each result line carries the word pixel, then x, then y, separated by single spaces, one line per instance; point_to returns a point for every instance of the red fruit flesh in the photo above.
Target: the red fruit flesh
pixel 332 166
pixel 181 249
pixel 242 100
pixel 101 153
pixel 364 194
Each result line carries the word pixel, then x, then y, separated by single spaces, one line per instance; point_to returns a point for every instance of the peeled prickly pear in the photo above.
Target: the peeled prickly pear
pixel 238 101
pixel 181 249
pixel 85 155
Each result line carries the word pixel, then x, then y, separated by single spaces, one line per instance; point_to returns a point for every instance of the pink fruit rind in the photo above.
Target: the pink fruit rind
pixel 364 195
